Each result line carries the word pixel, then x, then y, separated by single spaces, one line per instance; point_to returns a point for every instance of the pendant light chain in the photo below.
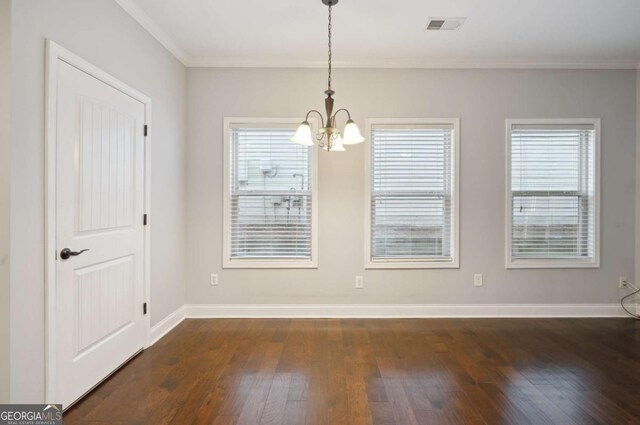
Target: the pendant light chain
pixel 329 137
pixel 329 28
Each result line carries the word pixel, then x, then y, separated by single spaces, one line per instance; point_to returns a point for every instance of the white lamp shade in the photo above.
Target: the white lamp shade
pixel 336 145
pixel 352 134
pixel 303 135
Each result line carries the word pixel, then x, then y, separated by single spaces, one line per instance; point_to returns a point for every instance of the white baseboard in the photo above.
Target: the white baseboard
pixel 161 328
pixel 400 310
pixel 203 311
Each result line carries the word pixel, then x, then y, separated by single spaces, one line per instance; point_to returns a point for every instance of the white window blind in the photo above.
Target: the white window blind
pixel 270 196
pixel 553 199
pixel 412 195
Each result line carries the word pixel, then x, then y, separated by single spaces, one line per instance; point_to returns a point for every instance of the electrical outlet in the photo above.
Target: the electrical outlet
pixel 622 282
pixel 214 279
pixel 359 282
pixel 477 279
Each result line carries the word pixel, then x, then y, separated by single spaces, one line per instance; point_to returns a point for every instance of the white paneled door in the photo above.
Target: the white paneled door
pixel 99 231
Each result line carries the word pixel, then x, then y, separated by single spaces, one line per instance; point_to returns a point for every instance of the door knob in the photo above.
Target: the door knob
pixel 66 253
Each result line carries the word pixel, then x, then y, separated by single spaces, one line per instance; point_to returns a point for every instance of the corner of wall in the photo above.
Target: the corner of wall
pixel 637 211
pixel 5 192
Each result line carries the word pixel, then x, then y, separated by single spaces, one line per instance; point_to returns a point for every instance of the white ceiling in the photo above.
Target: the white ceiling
pixel 377 33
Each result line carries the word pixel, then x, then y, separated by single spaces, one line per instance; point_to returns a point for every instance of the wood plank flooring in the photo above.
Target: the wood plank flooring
pixel 405 371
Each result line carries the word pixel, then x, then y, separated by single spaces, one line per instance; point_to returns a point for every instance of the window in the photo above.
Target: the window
pixel 270 199
pixel 412 193
pixel 552 202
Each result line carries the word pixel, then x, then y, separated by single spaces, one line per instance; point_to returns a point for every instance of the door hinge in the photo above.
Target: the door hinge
pixel 145 130
pixel 144 308
pixel 144 220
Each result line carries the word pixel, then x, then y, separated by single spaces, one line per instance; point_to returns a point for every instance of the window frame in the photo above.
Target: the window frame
pixel 510 263
pixel 389 263
pixel 227 261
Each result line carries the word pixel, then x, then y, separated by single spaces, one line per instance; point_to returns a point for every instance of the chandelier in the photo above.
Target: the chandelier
pixel 329 137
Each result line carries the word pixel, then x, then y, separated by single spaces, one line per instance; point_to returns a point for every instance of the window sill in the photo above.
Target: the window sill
pixel 252 264
pixel 546 264
pixel 390 264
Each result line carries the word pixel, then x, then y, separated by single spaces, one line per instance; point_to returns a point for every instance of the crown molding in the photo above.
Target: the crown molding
pixel 154 29
pixel 430 64
pixel 163 38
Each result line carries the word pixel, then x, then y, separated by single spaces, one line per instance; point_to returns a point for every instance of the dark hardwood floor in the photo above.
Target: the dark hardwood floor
pixel 409 371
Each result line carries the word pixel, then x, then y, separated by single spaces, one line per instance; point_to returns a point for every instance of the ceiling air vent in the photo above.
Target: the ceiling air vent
pixel 444 24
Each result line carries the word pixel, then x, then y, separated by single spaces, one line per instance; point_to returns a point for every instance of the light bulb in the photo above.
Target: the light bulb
pixel 352 134
pixel 303 135
pixel 336 145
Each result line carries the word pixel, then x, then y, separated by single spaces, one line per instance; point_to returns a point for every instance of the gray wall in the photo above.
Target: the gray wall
pixel 105 35
pixel 482 99
pixel 5 169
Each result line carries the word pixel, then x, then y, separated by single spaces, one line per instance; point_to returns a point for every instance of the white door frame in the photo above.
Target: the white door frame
pixel 54 53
